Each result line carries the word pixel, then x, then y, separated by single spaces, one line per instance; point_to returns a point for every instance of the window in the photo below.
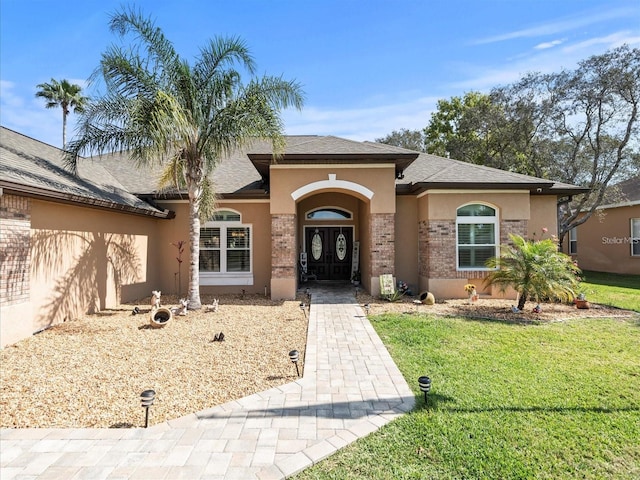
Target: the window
pixel 476 236
pixel 635 237
pixel 329 213
pixel 573 241
pixel 225 250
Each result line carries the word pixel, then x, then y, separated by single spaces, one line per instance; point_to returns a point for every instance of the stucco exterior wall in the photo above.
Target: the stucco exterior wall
pixel 437 212
pixel 253 212
pixel 82 260
pixel 604 242
pixel 406 256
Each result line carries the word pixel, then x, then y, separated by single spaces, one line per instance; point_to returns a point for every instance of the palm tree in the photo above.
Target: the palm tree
pixel 65 95
pixel 161 109
pixel 535 269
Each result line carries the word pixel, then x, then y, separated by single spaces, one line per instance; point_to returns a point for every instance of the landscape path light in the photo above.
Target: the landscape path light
pixel 425 385
pixel 294 356
pixel 366 308
pixel 302 307
pixel 146 398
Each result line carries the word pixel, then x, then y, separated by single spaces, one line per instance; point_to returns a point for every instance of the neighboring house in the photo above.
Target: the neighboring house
pixel 86 243
pixel 609 241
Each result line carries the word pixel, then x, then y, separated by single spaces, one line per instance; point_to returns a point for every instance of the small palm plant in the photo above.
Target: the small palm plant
pixel 535 269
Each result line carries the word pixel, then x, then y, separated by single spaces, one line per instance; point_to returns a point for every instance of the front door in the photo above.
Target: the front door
pixel 329 252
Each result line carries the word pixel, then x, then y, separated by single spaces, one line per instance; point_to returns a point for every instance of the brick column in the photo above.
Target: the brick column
pixel 441 248
pixel 15 249
pixel 283 255
pixel 382 234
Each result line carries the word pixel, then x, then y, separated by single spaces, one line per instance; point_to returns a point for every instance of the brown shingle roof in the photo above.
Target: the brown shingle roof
pixel 36 169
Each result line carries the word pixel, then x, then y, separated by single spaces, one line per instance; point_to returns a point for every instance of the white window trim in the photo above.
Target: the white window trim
pixel 468 220
pixel 632 238
pixel 573 240
pixel 228 278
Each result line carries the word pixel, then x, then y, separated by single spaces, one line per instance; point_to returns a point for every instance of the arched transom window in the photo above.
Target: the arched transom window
pixel 476 236
pixel 329 213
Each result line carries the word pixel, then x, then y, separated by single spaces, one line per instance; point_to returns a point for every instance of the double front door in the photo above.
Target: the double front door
pixel 329 252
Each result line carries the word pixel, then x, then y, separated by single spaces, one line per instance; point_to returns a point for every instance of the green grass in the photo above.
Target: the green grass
pixel 622 291
pixel 550 401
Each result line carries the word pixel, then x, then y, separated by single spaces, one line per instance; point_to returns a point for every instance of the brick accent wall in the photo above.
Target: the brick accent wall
pixel 437 247
pixel 517 227
pixel 440 245
pixel 283 250
pixel 15 249
pixel 382 234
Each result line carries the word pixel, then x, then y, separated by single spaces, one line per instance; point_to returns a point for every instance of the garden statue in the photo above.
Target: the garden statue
pixel 155 299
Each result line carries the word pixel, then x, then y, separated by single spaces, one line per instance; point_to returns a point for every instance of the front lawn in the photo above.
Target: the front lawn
pixel 547 401
pixel 622 291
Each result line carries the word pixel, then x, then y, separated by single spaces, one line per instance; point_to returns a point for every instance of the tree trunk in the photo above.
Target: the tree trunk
pixel 194 248
pixel 522 300
pixel 64 130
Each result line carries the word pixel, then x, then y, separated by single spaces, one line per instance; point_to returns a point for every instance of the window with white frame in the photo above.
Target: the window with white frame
pixel 476 236
pixel 573 241
pixel 635 237
pixel 225 250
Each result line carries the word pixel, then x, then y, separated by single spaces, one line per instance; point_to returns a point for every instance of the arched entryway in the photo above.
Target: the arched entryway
pixel 329 231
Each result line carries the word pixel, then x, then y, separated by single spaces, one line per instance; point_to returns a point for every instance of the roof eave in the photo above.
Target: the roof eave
pixel 78 200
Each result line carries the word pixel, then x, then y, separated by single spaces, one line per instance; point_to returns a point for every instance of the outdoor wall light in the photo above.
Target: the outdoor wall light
pixel 294 355
pixel 425 386
pixel 146 398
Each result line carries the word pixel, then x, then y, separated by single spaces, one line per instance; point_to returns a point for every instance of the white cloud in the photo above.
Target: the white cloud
pixel 545 45
pixel 561 26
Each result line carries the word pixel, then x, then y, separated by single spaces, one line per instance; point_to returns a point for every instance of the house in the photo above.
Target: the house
pixel 609 241
pixel 330 206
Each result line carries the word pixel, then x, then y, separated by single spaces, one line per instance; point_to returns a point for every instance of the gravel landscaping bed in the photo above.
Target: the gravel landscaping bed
pixel 495 309
pixel 90 372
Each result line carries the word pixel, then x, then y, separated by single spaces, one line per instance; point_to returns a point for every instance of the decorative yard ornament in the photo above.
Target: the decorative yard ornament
pixel 155 299
pixel 182 309
pixel 214 306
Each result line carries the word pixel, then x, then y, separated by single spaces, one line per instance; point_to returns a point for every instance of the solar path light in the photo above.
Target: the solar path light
pixel 425 385
pixel 294 355
pixel 146 398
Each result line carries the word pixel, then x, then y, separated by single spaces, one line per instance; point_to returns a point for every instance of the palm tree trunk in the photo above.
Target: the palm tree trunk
pixel 522 300
pixel 194 245
pixel 64 129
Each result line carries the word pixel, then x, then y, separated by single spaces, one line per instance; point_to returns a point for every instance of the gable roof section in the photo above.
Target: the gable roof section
pixel 435 172
pixel 328 150
pixel 35 169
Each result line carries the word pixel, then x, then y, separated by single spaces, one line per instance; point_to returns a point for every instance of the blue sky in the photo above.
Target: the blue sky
pixel 367 67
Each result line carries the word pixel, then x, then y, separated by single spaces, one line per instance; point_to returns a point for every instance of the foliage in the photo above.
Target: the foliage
pixel 410 139
pixel 163 110
pixel 396 296
pixel 576 127
pixel 65 95
pixel 534 269
pixel 551 401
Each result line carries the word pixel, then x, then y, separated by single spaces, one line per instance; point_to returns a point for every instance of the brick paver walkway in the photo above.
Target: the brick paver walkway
pixel 350 388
